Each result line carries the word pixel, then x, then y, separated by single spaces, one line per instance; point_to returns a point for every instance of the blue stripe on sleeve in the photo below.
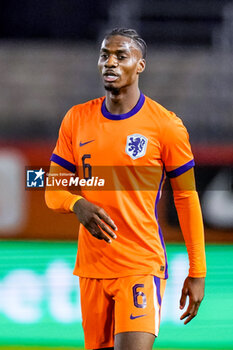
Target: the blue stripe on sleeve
pixel 182 169
pixel 62 162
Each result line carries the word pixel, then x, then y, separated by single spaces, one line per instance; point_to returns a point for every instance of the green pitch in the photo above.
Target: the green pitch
pixel 19 347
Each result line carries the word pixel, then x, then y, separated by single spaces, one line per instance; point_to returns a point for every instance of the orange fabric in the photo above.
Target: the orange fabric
pixel 126 304
pixel 88 138
pixel 58 199
pixel 190 219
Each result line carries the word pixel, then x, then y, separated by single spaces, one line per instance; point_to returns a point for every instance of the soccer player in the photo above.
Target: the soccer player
pixel 121 259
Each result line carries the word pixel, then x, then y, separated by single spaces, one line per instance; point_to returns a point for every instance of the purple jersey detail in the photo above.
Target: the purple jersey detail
pixel 85 143
pixel 182 169
pixel 165 253
pixel 133 317
pixel 133 111
pixel 160 231
pixel 136 145
pixel 136 294
pixel 62 162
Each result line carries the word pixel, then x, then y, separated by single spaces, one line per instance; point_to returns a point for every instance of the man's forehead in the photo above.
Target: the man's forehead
pixel 119 42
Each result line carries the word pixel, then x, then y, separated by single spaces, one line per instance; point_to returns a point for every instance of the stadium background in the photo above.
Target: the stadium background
pixel 48 55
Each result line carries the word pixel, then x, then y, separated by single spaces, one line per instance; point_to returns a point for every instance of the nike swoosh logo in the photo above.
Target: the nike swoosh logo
pixel 133 317
pixel 85 143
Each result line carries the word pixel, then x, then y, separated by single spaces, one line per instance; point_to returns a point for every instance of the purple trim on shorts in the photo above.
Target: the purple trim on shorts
pixel 182 169
pixel 157 283
pixel 133 111
pixel 160 231
pixel 62 162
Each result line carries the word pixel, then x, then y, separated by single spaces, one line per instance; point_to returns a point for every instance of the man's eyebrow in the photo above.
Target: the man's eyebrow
pixel 117 51
pixel 122 51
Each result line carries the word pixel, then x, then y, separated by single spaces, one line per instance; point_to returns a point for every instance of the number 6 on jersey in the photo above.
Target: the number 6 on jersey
pixel 86 167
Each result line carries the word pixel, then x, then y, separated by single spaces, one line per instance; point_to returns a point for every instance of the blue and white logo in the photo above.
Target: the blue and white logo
pixel 35 178
pixel 136 146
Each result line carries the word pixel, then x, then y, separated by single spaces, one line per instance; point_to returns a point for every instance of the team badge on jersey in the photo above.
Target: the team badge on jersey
pixel 136 146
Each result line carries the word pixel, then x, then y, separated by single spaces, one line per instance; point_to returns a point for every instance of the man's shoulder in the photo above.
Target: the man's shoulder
pixel 161 112
pixel 157 107
pixel 78 112
pixel 88 105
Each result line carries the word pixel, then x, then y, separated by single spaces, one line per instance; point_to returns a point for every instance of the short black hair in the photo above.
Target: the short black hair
pixel 130 33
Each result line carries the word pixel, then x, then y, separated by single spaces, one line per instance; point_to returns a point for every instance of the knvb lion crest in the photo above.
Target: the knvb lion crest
pixel 136 146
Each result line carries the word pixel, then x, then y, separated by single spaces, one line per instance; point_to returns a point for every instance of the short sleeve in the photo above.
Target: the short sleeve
pixel 176 150
pixel 63 152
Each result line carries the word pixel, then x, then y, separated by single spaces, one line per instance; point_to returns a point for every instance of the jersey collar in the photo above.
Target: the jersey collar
pixel 133 111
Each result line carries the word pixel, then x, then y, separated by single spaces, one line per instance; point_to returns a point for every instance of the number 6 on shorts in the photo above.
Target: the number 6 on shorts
pixel 137 293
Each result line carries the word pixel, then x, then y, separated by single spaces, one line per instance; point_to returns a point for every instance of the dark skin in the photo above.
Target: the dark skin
pixel 120 57
pixel 120 64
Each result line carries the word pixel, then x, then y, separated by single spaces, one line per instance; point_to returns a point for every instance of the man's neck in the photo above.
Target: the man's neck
pixel 123 101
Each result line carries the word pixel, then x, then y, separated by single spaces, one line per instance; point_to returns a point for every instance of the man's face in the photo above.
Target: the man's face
pixel 120 62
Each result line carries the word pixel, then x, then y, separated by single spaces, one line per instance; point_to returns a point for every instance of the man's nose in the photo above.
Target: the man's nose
pixel 111 61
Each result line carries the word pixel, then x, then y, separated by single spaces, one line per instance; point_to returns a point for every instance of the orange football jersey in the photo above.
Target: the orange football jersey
pixel 134 151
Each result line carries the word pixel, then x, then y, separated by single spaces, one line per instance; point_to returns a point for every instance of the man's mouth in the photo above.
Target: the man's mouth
pixel 110 76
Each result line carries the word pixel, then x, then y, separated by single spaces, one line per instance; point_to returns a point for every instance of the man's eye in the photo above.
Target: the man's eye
pixel 104 55
pixel 122 57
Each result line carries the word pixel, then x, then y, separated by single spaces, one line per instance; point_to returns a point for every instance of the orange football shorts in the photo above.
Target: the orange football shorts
pixel 125 304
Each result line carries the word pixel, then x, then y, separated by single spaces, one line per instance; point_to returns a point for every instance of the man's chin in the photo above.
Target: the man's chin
pixel 114 90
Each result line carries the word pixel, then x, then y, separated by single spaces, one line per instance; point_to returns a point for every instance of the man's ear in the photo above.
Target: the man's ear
pixel 141 65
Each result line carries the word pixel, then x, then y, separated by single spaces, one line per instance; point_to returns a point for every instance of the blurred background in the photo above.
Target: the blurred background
pixel 48 63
